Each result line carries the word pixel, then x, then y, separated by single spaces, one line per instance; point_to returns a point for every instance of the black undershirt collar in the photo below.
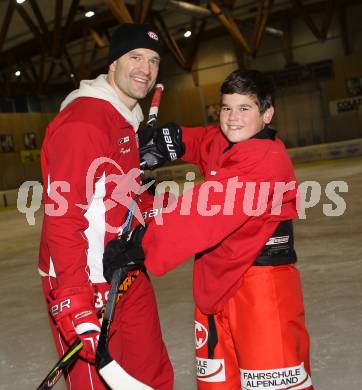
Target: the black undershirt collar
pixel 266 133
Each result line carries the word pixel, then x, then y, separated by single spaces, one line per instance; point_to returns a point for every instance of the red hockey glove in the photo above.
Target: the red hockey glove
pixel 73 311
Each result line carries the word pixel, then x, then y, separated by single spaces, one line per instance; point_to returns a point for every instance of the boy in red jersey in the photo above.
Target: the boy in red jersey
pixel 249 318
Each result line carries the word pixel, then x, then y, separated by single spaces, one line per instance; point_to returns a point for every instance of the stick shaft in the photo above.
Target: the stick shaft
pixel 155 105
pixel 62 364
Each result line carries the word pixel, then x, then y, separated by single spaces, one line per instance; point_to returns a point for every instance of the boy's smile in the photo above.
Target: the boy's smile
pixel 240 117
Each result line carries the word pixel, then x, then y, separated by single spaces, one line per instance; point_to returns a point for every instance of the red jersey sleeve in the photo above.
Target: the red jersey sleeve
pixel 194 139
pixel 67 154
pixel 220 206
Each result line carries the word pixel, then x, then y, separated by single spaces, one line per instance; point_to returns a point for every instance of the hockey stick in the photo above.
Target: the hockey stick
pixel 113 374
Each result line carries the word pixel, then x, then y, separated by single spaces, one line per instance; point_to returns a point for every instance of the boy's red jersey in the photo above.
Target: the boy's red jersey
pixel 249 188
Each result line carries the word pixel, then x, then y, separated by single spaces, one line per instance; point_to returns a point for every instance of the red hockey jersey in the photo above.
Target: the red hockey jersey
pixel 222 220
pixel 88 150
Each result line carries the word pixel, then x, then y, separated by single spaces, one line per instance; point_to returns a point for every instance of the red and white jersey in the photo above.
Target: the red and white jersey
pixel 87 151
pixel 215 220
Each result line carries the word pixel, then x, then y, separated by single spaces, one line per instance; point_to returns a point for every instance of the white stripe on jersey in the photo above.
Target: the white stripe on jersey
pixel 95 233
pixel 51 267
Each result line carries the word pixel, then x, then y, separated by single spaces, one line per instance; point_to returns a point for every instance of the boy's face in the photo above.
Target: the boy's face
pixel 240 118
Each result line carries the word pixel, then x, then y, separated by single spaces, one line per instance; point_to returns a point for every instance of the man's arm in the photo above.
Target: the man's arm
pixel 70 152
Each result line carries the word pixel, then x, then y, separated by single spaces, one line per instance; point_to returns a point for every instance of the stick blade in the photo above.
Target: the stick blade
pixel 118 379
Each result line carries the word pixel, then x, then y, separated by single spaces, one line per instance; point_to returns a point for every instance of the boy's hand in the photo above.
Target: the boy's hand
pixel 167 145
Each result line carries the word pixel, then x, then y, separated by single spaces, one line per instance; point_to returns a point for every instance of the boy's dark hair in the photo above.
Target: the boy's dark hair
pixel 252 83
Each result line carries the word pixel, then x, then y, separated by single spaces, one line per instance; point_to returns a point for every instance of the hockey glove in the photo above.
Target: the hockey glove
pixel 166 146
pixel 145 135
pixel 73 311
pixel 124 252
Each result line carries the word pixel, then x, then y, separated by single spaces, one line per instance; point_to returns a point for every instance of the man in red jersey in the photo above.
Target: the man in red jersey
pixel 249 319
pixel 90 158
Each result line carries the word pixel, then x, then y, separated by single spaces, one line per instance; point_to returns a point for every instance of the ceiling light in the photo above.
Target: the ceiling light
pixel 71 75
pixel 187 34
pixel 274 31
pixel 20 1
pixel 17 73
pixel 89 14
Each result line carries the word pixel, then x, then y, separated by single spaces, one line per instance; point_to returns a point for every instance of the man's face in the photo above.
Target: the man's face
pixel 240 118
pixel 134 74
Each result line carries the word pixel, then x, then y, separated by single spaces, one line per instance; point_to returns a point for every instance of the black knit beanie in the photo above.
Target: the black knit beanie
pixel 130 36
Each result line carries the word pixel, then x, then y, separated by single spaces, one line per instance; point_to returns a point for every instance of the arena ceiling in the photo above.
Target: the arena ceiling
pixel 48 45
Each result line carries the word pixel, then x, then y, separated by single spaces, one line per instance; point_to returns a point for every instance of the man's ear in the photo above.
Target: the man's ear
pixel 268 115
pixel 112 67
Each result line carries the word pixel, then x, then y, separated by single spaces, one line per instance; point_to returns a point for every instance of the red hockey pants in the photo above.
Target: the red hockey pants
pixel 135 340
pixel 262 339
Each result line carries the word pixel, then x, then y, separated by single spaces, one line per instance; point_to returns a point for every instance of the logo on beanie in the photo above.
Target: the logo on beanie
pixel 153 35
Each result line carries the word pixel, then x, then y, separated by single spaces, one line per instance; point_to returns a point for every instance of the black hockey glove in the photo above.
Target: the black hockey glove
pixel 124 252
pixel 166 146
pixel 145 135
